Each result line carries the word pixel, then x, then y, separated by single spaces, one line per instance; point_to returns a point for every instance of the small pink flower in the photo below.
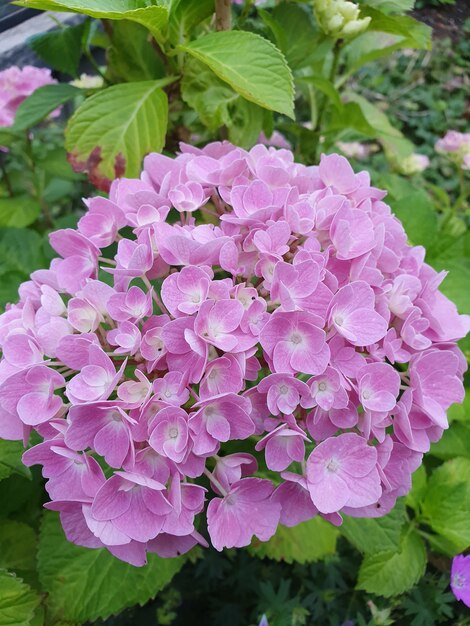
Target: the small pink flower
pixel 284 392
pixel 460 578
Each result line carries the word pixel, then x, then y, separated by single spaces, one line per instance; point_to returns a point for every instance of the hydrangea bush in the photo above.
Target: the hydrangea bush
pixel 233 338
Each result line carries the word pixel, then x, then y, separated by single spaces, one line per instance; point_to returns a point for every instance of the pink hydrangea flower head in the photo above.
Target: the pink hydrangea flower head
pixel 16 84
pixel 164 357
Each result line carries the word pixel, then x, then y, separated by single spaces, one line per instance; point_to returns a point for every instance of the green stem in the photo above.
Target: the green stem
pixel 223 14
pixel 322 107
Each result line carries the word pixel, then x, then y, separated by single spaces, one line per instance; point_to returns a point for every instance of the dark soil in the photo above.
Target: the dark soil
pixel 446 20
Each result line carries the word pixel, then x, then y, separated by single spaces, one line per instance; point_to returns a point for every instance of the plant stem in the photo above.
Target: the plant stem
pixel 223 14
pixel 322 108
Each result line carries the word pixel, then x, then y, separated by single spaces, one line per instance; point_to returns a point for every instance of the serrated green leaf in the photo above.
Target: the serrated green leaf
pixel 154 17
pixel 391 573
pixel 131 56
pixel 85 585
pixel 10 459
pixel 17 546
pixel 250 64
pixel 113 130
pixel 17 601
pixel 42 102
pixel 446 505
pixel 306 543
pixel 61 48
pixel 376 535
pixel 454 442
pixel 416 213
pixel 19 211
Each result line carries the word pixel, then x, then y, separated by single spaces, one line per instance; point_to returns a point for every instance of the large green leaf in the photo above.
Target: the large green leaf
pixel 17 546
pixel 17 601
pixel 251 65
pixel 113 130
pixel 454 442
pixel 85 585
pixel 131 56
pixel 416 213
pixel 391 573
pixel 455 285
pixel 391 6
pixel 42 102
pixel 150 14
pixel 10 459
pixel 61 48
pixel 185 15
pixel 446 505
pixel 305 543
pixel 376 535
pixel 19 211
pixel 29 242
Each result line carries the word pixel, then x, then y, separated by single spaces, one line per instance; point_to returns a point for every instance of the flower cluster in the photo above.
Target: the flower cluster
pixel 16 85
pixel 230 317
pixel 457 146
pixel 340 19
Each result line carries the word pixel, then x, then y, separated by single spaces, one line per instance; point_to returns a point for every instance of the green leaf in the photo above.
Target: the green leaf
pixel 10 459
pixel 391 573
pixel 29 242
pixel 131 56
pixel 376 535
pixel 55 164
pixel 246 123
pixel 391 6
pixel 306 543
pixel 42 102
pixel 455 442
pixel 86 585
pixel 419 483
pixel 446 505
pixel 207 95
pixel 113 130
pixel 17 601
pixel 17 546
pixel 251 65
pixel 153 17
pixel 326 87
pixel 460 412
pixel 417 34
pixel 19 211
pixel 416 213
pixel 8 135
pixel 455 285
pixel 185 15
pixel 295 33
pixel 61 48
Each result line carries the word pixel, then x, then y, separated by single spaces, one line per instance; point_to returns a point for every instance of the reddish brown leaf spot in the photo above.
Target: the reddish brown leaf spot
pixel 91 166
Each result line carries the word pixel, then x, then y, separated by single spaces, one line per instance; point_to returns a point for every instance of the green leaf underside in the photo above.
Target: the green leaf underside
pixel 251 65
pixel 306 543
pixel 86 584
pixel 154 18
pixel 122 124
pixel 391 573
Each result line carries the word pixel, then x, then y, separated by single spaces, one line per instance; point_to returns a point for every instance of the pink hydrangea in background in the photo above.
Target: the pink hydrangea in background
pixel 16 84
pixel 228 311
pixel 457 146
pixel 460 578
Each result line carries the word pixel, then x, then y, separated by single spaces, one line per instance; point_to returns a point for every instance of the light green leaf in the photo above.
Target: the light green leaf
pixel 30 244
pixel 86 585
pixel 446 505
pixel 460 412
pixel 154 17
pixel 455 442
pixel 419 483
pixel 19 211
pixel 416 213
pixel 17 601
pixel 42 102
pixel 17 546
pixel 61 48
pixel 117 127
pixel 207 95
pixel 376 535
pixel 455 285
pixel 326 87
pixel 185 15
pixel 306 543
pixel 391 6
pixel 391 573
pixel 10 459
pixel 131 56
pixel 250 64
pixel 417 34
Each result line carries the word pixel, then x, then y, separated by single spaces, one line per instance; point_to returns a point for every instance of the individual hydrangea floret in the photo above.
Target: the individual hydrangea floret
pixel 233 336
pixel 460 578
